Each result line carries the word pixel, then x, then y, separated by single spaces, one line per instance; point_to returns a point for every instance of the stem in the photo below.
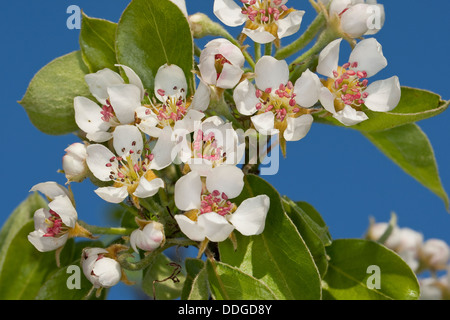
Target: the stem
pixel 309 35
pixel 268 49
pixel 105 230
pixel 257 47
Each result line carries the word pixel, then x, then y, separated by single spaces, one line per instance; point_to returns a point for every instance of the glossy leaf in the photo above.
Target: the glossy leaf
pixel 279 256
pixel 152 33
pixel 196 284
pixel 351 273
pixel 48 100
pixel 408 146
pixel 414 105
pixel 97 43
pixel 230 283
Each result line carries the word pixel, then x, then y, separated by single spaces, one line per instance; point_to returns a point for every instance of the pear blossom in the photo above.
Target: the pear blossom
pixel 55 225
pixel 435 254
pixel 74 162
pixel 118 100
pixel 100 270
pixel 172 108
pixel 347 90
pixel 221 64
pixel 357 18
pixel 275 104
pixel 131 167
pixel 210 213
pixel 215 143
pixel 149 237
pixel 265 20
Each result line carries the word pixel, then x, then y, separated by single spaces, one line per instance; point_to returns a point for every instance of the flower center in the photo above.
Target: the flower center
pixel 108 114
pixel 281 102
pixel 216 202
pixel 263 12
pixel 220 61
pixel 348 85
pixel 55 225
pixel 170 111
pixel 205 147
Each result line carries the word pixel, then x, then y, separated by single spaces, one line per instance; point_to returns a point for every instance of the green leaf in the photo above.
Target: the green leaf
pixel 20 216
pixel 409 147
pixel 350 278
pixel 196 284
pixel 25 269
pixel 152 33
pixel 154 283
pixel 316 236
pixel 97 43
pixel 230 283
pixel 414 105
pixel 57 286
pixel 48 100
pixel 279 256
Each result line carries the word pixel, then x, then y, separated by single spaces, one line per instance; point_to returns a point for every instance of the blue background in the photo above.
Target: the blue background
pixel 336 170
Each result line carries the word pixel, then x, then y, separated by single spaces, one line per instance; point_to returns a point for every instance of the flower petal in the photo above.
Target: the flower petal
pixel 190 228
pixel 163 151
pixel 125 99
pixel 133 78
pixel 226 179
pixel 64 208
pixel 229 12
pixel 329 58
pixel 369 55
pixel 50 189
pixel 289 24
pixel 171 81
pixel 97 158
pixel 270 73
pixel 250 217
pixel 147 188
pixel 298 128
pixel 202 97
pixel 128 138
pixel 215 226
pixel 229 76
pixel 349 116
pixel 264 123
pixel 307 89
pixel 259 35
pixel 384 95
pixel 100 81
pixel 244 96
pixel 327 100
pixel 46 244
pixel 187 192
pixel 112 194
pixel 88 115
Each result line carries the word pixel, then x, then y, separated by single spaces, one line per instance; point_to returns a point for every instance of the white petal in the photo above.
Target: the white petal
pixel 202 97
pixel 250 217
pixel 45 244
pixel 329 58
pixel 354 21
pixel 327 100
pixel 270 73
pixel 100 81
pixel 125 99
pixel 64 208
pixel 190 228
pixel 229 12
pixel 215 226
pixel 147 188
pixel 172 81
pixel 264 123
pixel 187 192
pixel 290 24
pixel 133 78
pixel 298 128
pixel 88 115
pixel 307 89
pixel 229 76
pixel 226 179
pixel 259 35
pixel 228 50
pixel 112 194
pixel 207 67
pixel 369 55
pixel 99 136
pixel 163 151
pixel 244 96
pixel 378 16
pixel 108 272
pixel 126 138
pixel 349 116
pixel 50 189
pixel 384 95
pixel 337 6
pixel 98 157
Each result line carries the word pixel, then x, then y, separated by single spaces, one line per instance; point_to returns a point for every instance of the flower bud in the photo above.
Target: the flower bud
pixel 101 271
pixel 202 26
pixel 149 238
pixel 435 254
pixel 74 162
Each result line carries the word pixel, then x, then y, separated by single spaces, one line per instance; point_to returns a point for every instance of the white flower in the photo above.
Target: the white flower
pixel 173 109
pixel 430 289
pixel 221 64
pixel 118 99
pixel 149 238
pixel 53 226
pixel 435 254
pixel 347 90
pixel 275 103
pixel 358 17
pixel 265 20
pixel 209 213
pixel 215 143
pixel 130 168
pixel 101 271
pixel 74 162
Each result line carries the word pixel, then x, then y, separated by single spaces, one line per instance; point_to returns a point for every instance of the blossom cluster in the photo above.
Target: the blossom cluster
pixel 133 135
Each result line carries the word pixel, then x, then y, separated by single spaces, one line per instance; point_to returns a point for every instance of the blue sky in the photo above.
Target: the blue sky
pixel 336 170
